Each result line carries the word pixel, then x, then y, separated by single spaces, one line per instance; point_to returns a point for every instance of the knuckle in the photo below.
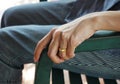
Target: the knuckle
pixel 64 36
pixel 53 29
pixel 65 57
pixel 49 54
pixel 57 33
pixel 70 55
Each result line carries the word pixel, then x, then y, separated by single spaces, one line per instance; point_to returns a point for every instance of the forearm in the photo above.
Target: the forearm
pixel 108 20
pixel 72 34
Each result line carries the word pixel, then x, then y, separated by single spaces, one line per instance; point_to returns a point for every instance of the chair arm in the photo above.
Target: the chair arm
pixel 100 40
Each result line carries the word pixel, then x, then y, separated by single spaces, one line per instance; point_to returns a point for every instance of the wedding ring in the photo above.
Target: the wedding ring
pixel 62 49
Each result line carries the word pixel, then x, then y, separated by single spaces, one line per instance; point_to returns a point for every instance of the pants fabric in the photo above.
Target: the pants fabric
pixel 17 43
pixel 43 13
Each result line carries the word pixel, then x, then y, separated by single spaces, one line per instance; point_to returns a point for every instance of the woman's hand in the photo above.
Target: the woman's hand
pixel 64 39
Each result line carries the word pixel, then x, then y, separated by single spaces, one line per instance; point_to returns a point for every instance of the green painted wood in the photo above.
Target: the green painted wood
pixel 92 80
pixel 110 81
pixel 95 44
pixel 43 68
pixel 75 78
pixel 98 42
pixel 57 76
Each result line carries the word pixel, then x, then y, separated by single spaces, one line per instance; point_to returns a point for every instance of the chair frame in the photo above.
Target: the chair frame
pixel 100 41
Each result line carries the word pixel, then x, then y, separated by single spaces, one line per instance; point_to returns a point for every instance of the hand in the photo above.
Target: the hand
pixel 63 40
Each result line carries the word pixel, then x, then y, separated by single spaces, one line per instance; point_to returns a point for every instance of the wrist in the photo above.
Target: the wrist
pixel 96 22
pixel 92 23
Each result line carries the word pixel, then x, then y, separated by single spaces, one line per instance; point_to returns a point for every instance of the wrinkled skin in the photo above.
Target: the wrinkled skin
pixel 72 34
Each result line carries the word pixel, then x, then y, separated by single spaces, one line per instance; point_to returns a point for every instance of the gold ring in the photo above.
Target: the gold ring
pixel 62 49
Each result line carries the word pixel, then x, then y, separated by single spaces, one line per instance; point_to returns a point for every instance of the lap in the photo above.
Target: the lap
pixel 17 43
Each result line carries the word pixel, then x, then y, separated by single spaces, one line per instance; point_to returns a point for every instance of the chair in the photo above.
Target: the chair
pixel 101 40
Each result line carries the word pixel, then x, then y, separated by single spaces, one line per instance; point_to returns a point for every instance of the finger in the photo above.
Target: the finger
pixel 53 48
pixel 70 49
pixel 42 44
pixel 62 47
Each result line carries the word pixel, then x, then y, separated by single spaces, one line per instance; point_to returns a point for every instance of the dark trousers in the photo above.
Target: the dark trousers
pixel 24 26
pixel 43 13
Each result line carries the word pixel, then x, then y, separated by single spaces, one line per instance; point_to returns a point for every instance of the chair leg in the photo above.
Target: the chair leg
pixel 57 76
pixel 92 80
pixel 110 81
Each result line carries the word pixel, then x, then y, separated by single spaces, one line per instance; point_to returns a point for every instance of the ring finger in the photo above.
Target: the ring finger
pixel 62 47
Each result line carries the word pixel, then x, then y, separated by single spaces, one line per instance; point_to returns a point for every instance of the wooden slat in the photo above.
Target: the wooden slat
pixel 66 77
pixel 75 78
pixel 57 76
pixel 84 80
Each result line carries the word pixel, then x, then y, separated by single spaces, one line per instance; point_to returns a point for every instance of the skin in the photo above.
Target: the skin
pixel 72 34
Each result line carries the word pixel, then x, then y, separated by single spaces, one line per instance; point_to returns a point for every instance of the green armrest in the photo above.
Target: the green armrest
pixel 100 40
